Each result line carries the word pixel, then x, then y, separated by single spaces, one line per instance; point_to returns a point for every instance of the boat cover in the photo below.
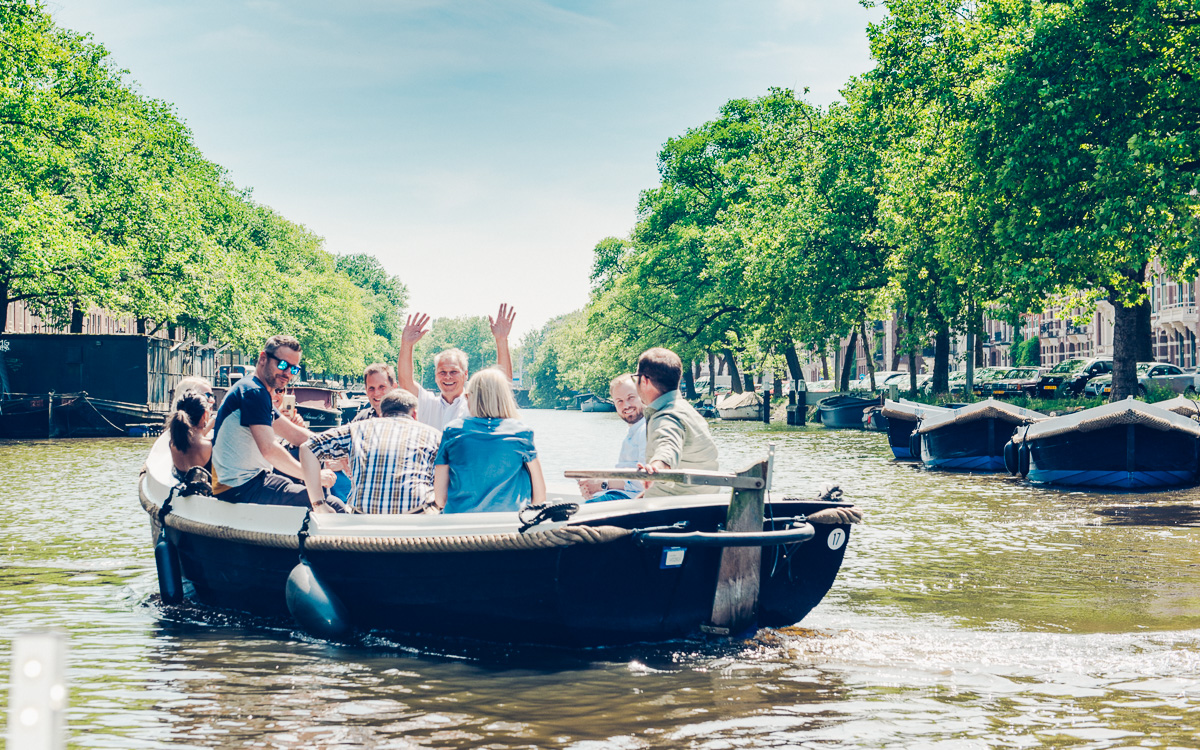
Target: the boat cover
pixel 990 409
pixel 910 411
pixel 1188 407
pixel 1128 411
pixel 738 400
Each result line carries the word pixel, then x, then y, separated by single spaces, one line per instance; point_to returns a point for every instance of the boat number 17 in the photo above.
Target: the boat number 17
pixel 836 539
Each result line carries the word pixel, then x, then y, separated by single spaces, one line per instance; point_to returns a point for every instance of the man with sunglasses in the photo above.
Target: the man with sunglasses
pixel 677 436
pixel 248 463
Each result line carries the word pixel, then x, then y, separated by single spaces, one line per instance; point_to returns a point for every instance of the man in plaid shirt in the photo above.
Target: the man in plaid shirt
pixel 391 458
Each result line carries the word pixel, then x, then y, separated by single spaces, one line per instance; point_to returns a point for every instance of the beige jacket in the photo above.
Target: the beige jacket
pixel 678 436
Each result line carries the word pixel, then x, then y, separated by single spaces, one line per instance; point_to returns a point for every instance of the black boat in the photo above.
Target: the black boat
pixel 971 438
pixel 844 412
pixel 1123 445
pixel 38 416
pixel 902 417
pixel 616 572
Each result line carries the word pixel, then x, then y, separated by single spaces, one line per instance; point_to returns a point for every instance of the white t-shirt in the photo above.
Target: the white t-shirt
pixel 433 410
pixel 633 451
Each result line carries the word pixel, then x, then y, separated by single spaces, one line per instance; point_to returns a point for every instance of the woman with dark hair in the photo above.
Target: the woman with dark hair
pixel 189 426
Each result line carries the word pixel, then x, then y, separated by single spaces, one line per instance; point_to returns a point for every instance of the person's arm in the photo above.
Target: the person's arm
pixel 667 443
pixel 311 466
pixel 501 327
pixel 414 329
pixel 441 485
pixel 290 431
pixel 276 455
pixel 537 481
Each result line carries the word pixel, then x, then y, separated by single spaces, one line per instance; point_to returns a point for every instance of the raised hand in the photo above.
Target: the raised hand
pixel 503 322
pixel 414 328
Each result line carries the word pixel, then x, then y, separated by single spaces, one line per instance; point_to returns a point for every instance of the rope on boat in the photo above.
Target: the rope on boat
pixel 564 536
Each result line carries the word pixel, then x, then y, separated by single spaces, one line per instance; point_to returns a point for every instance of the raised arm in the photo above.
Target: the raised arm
pixel 414 329
pixel 501 327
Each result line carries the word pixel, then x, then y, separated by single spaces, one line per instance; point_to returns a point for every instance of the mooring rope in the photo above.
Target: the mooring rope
pixel 564 536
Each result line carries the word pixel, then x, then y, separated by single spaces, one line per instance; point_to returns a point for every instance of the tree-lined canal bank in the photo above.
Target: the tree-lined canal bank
pixel 971 609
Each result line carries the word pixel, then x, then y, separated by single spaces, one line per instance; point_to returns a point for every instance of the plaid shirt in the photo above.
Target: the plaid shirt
pixel 391 462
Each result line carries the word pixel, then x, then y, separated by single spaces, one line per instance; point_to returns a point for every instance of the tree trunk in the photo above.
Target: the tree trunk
pixel 824 365
pixel 76 320
pixel 844 378
pixel 1125 350
pixel 896 331
pixel 1143 331
pixel 941 359
pixel 735 378
pixel 689 383
pixel 141 326
pixel 795 371
pixel 868 354
pixel 712 374
pixel 912 372
pixel 979 351
pixel 3 307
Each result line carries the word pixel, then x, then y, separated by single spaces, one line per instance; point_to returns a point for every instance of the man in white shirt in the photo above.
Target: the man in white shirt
pixel 624 394
pixel 450 370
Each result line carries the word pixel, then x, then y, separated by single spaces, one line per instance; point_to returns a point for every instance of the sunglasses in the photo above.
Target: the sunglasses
pixel 283 365
pixel 279 390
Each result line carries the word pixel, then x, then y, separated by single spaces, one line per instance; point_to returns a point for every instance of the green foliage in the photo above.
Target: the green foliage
pixel 566 357
pixel 106 201
pixel 1027 352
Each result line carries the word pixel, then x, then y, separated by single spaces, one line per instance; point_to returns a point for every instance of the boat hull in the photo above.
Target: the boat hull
pixel 1120 457
pixel 845 412
pixel 900 436
pixel 745 413
pixel 583 595
pixel 66 415
pixel 596 405
pixel 971 446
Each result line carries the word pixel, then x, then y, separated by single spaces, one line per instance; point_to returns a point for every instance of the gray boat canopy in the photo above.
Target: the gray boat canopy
pixel 1117 413
pixel 1188 407
pixel 910 411
pixel 989 409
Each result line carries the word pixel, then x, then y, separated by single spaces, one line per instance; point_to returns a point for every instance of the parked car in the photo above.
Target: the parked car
pixel 903 381
pixel 1069 377
pixel 955 378
pixel 1018 381
pixel 1161 374
pixel 984 377
pixel 227 375
pixel 864 383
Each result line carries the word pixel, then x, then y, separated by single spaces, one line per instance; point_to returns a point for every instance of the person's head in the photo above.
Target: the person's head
pixel 398 403
pixel 659 371
pixel 450 372
pixel 379 381
pixel 623 390
pixel 278 362
pixel 192 383
pixel 490 395
pixel 191 410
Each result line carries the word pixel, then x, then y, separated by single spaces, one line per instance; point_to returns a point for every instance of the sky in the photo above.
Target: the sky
pixel 480 149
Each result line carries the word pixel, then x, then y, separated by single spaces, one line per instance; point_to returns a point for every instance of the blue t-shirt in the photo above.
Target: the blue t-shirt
pixel 487 460
pixel 236 457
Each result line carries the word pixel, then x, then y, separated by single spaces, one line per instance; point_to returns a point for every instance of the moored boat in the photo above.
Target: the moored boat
pixel 318 405
pixel 69 415
pixel 844 412
pixel 971 438
pixel 615 572
pixel 1124 445
pixel 745 406
pixel 593 403
pixel 902 417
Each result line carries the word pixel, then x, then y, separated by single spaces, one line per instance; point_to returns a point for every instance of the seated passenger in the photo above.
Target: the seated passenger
pixel 487 461
pixel 188 429
pixel 391 458
pixel 245 454
pixel 623 390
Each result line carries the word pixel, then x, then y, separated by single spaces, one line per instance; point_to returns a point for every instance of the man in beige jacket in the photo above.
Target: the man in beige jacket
pixel 677 436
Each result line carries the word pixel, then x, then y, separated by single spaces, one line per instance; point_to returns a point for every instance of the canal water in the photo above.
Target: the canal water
pixel 972 612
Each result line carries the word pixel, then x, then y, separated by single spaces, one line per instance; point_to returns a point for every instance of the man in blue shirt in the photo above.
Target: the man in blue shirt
pixel 249 464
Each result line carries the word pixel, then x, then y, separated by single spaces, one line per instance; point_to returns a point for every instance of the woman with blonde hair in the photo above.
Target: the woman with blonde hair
pixel 487 462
